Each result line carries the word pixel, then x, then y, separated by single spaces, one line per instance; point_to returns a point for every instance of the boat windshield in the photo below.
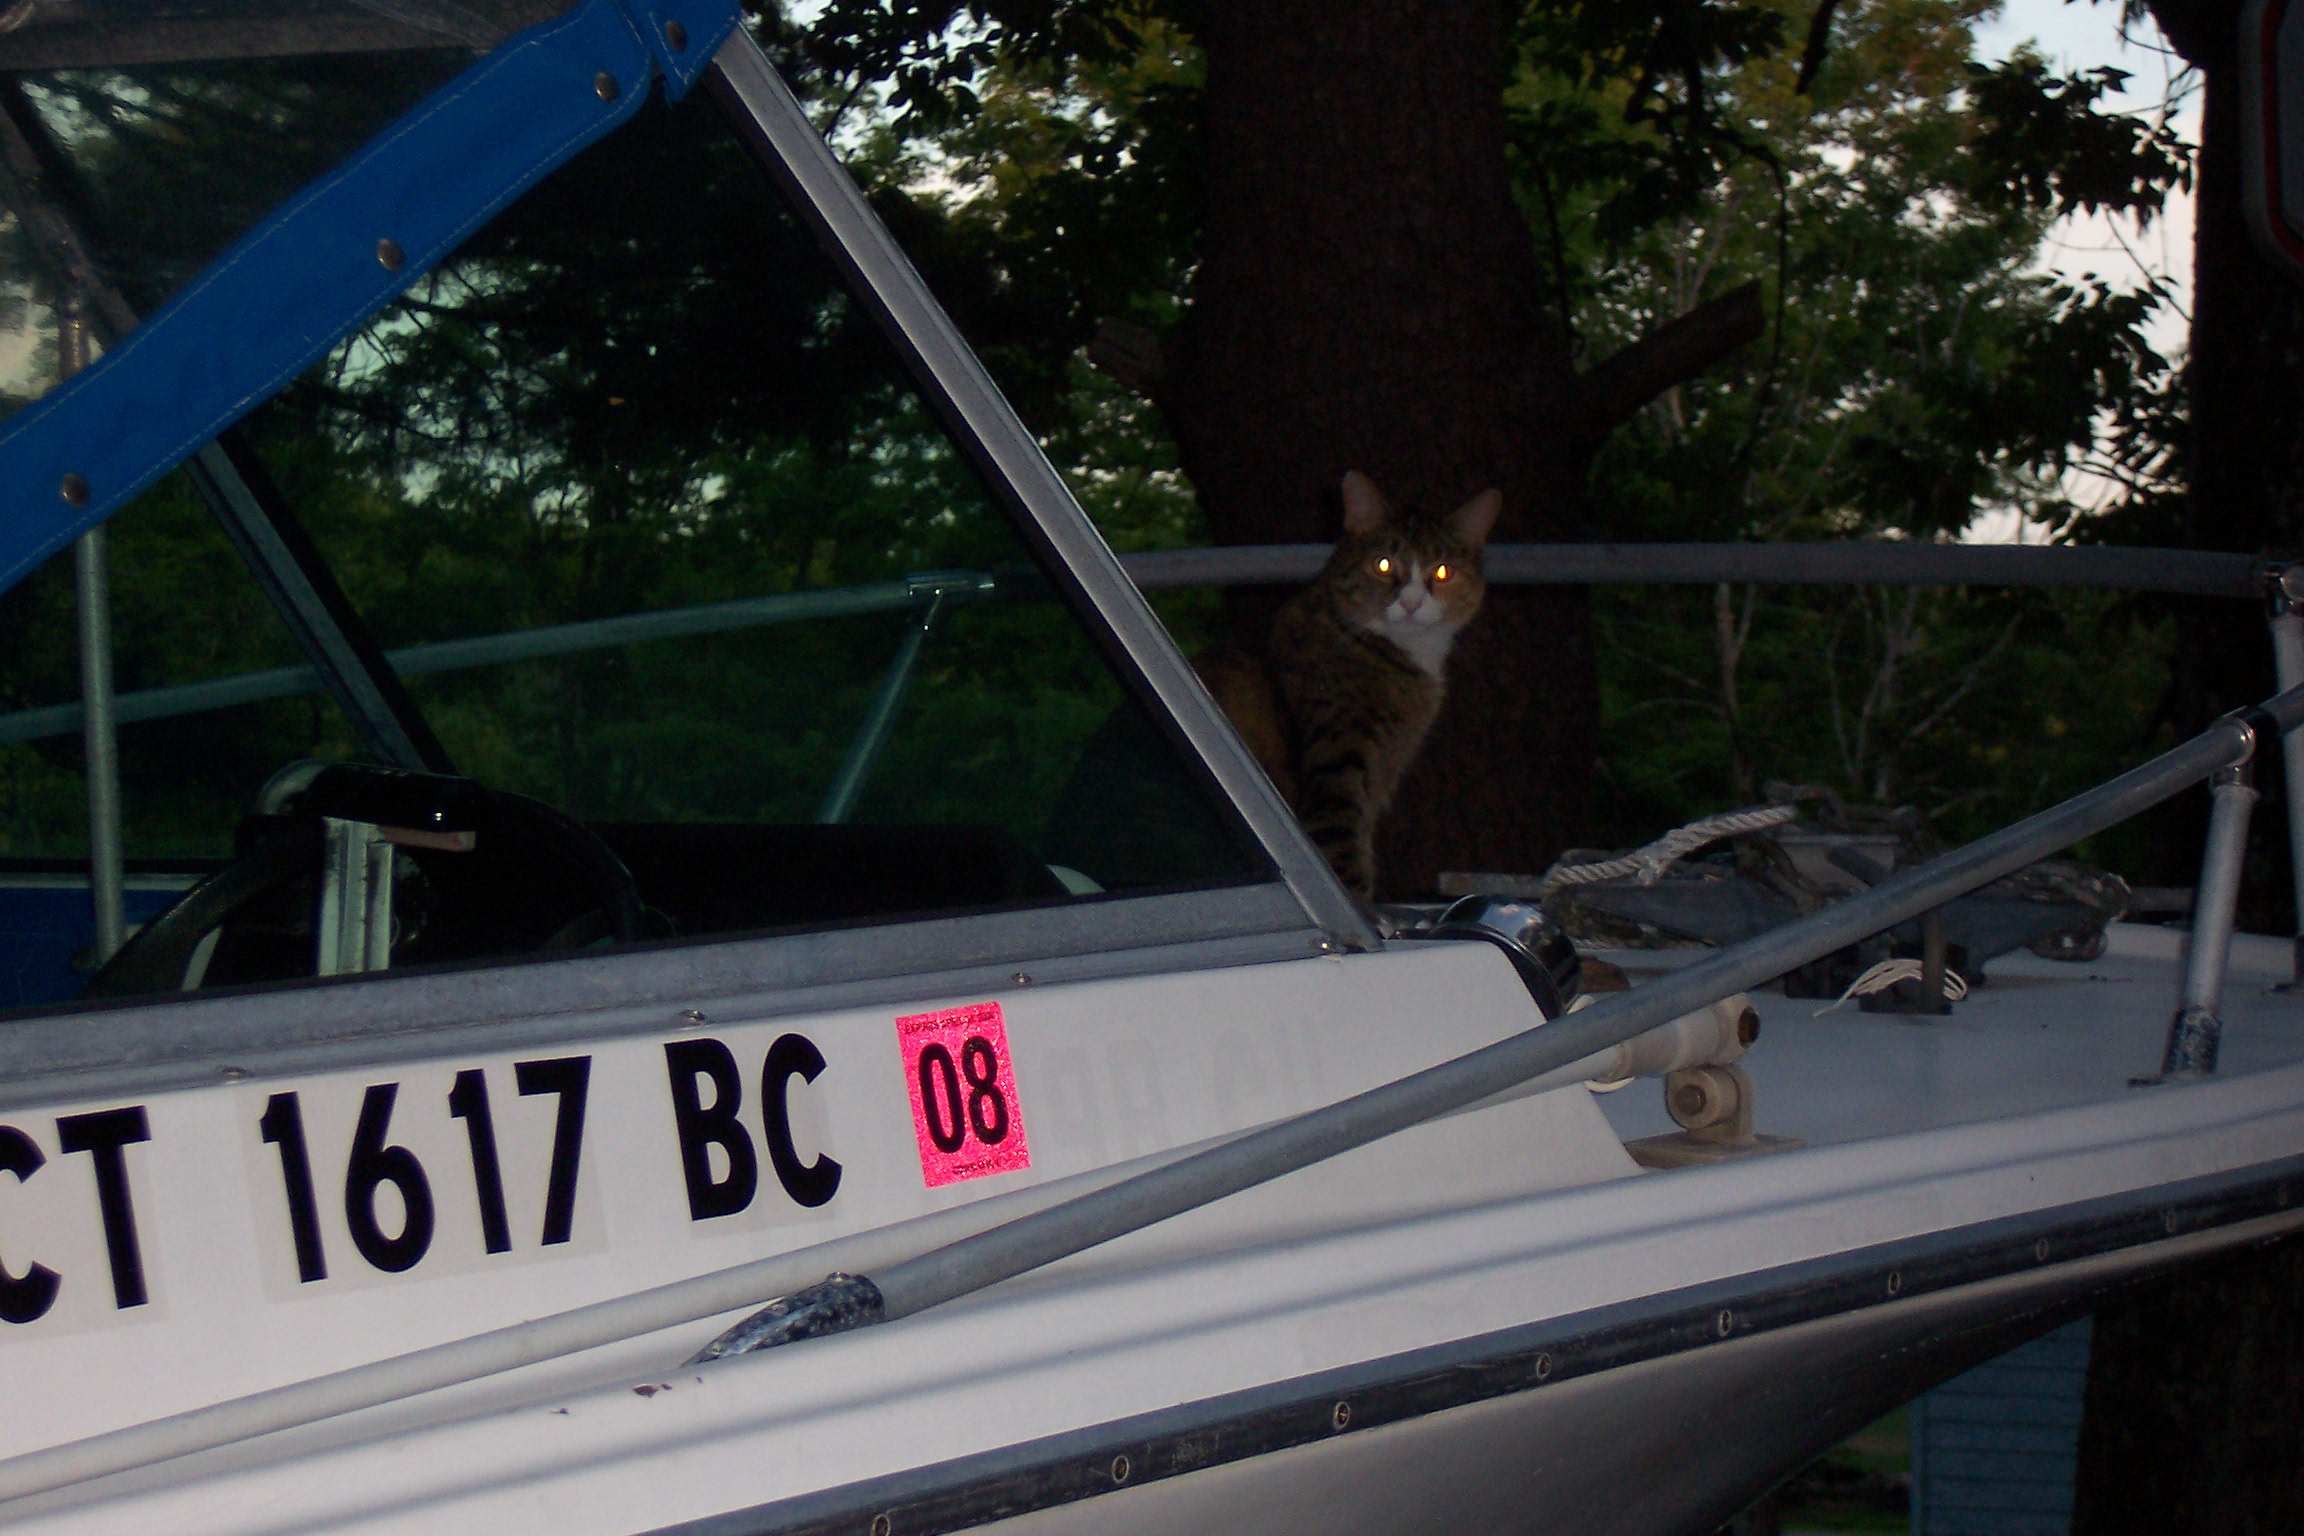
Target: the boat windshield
pixel 714 629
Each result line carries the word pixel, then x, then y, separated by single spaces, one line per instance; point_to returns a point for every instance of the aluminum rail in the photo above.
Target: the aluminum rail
pixel 1260 1156
pixel 2180 571
pixel 522 1344
pixel 486 650
pixel 2198 573
pixel 1167 1185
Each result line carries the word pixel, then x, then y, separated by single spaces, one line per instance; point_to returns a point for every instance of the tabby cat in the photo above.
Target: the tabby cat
pixel 1352 680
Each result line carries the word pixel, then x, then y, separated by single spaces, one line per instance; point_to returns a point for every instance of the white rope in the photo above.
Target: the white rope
pixel 1648 864
pixel 1889 972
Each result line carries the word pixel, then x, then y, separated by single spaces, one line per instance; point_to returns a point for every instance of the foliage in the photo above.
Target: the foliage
pixel 2043 142
pixel 520 425
pixel 1918 372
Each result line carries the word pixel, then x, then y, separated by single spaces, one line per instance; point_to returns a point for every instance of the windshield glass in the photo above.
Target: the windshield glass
pixel 702 604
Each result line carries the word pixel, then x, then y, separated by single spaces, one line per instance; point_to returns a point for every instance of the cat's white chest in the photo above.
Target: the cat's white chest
pixel 1426 645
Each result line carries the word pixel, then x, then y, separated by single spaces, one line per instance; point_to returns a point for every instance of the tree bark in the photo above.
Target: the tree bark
pixel 1369 298
pixel 2191 1420
pixel 2245 376
pixel 2194 1419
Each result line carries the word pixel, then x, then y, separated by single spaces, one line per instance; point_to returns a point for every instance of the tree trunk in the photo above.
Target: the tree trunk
pixel 1368 299
pixel 2245 375
pixel 2191 1421
pixel 2194 1418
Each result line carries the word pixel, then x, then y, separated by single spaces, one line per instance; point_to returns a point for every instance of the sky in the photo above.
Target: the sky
pixel 2084 35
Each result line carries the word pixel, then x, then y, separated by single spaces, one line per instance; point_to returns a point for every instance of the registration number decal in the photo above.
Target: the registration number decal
pixel 352 1180
pixel 965 1109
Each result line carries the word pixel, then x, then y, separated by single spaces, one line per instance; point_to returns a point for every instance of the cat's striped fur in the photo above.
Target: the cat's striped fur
pixel 1355 670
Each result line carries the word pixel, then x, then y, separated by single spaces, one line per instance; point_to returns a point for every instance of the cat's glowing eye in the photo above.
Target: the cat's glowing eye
pixel 1439 573
pixel 1384 567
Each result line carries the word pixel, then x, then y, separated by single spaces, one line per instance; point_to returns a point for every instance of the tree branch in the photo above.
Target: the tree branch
pixel 1673 353
pixel 1135 355
pixel 1819 45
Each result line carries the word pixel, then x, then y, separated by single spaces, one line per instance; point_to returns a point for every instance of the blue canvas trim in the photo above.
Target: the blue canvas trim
pixel 705 24
pixel 300 282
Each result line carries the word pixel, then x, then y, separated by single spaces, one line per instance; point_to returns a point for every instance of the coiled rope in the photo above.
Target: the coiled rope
pixel 1648 864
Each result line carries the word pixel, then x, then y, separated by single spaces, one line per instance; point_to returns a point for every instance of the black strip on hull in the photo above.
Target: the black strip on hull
pixel 1127 1453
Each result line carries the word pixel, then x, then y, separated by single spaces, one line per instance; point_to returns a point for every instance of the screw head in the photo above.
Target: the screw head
pixel 389 256
pixel 1340 1415
pixel 1725 1322
pixel 881 1525
pixel 1120 1469
pixel 2040 1250
pixel 1543 1367
pixel 74 490
pixel 692 1015
pixel 675 36
pixel 605 87
pixel 1021 979
pixel 1895 1282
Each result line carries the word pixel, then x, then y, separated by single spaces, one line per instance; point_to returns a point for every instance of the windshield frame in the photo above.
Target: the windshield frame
pixel 306 1024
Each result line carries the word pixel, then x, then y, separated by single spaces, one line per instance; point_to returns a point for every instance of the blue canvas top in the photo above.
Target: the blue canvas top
pixel 337 252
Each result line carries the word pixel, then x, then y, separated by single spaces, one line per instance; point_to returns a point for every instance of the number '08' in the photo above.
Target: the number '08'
pixel 373 1161
pixel 985 1110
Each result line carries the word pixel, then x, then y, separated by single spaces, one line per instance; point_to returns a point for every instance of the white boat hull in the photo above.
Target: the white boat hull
pixel 1629 1356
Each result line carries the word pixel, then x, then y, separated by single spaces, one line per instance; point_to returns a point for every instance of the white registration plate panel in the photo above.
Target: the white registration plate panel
pixel 165 1251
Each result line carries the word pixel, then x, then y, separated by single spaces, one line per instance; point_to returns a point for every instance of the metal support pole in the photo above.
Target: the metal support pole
pixel 880 721
pixel 2196 1032
pixel 99 731
pixel 1933 962
pixel 2287 620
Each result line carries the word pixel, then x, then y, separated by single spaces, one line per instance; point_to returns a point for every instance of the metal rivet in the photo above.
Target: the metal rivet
pixel 1725 1322
pixel 1340 1415
pixel 1021 979
pixel 882 1525
pixel 232 1074
pixel 74 490
pixel 605 87
pixel 1543 1367
pixel 1895 1282
pixel 1120 1469
pixel 693 1015
pixel 675 36
pixel 389 256
pixel 2040 1250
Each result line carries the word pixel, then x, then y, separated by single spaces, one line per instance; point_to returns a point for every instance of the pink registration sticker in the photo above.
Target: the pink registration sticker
pixel 965 1107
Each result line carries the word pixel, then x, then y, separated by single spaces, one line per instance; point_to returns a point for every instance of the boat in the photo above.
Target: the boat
pixel 744 987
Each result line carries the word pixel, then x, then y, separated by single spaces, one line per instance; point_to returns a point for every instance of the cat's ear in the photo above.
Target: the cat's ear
pixel 1472 521
pixel 1365 509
